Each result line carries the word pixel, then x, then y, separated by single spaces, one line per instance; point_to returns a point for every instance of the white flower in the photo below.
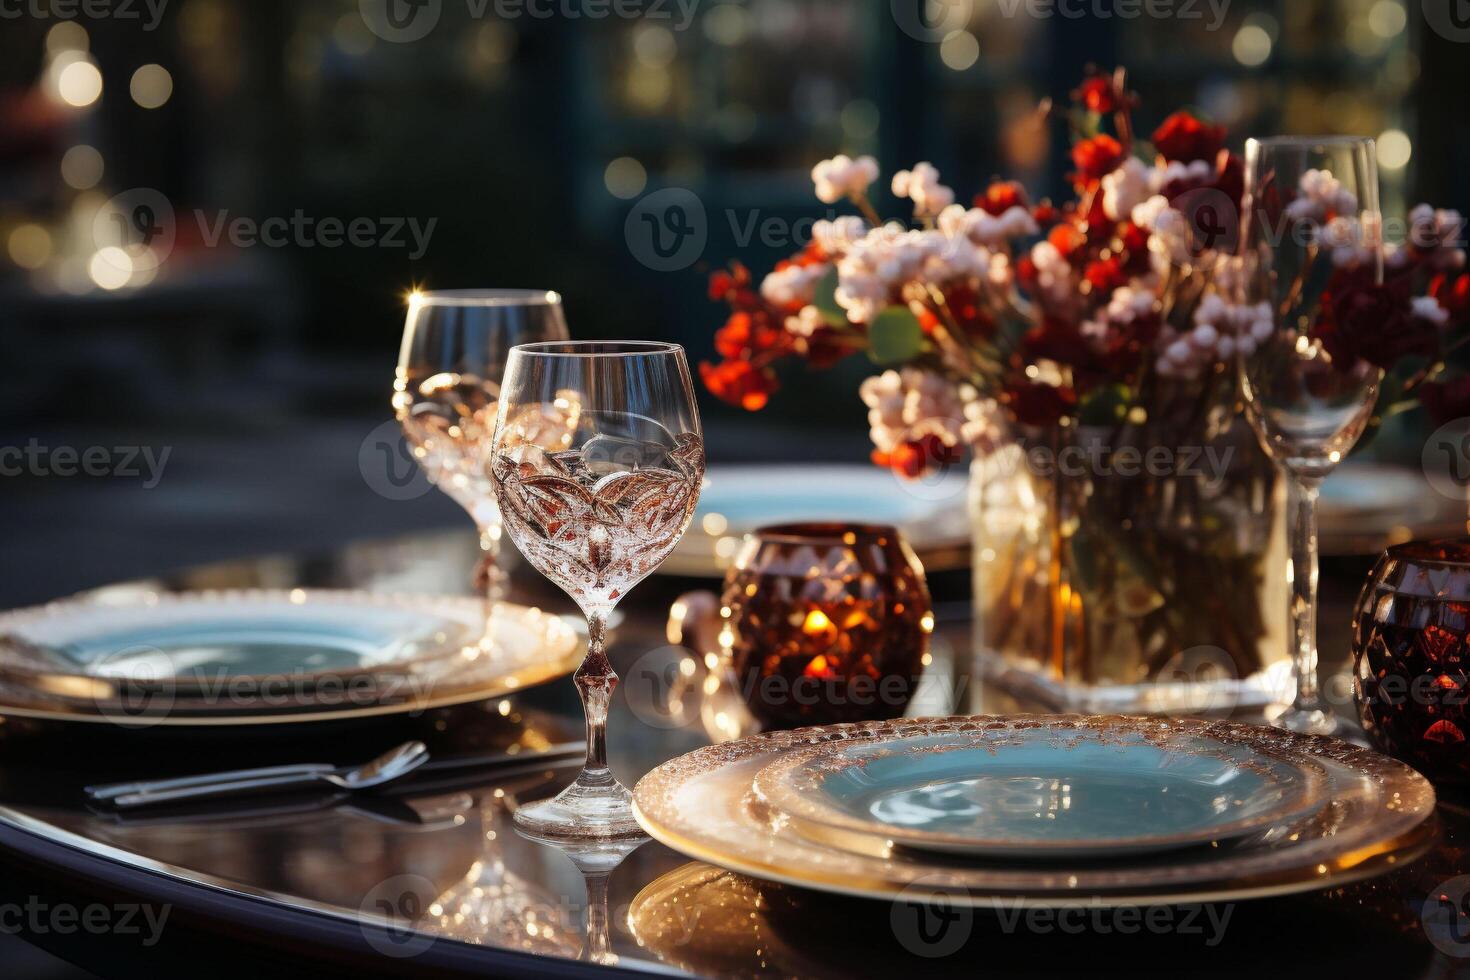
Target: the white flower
pixel 1221 328
pixel 955 258
pixel 793 284
pixel 1054 275
pixel 880 262
pixel 1321 194
pixel 1175 171
pixel 1343 235
pixel 836 236
pixel 1428 308
pixel 1126 305
pixel 982 430
pixel 1125 189
pixel 921 185
pixel 842 177
pixel 806 323
pixel 906 405
pixel 1438 235
pixel 1170 239
pixel 983 228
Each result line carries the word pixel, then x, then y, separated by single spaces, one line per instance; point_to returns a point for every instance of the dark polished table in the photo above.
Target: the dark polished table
pixel 432 879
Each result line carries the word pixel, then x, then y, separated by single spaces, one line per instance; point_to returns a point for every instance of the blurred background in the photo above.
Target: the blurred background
pixel 211 210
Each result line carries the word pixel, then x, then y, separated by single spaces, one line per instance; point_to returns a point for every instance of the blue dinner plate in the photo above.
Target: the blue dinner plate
pixel 1061 792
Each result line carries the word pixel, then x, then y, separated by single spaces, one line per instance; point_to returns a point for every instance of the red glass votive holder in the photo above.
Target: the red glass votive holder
pixel 825 623
pixel 1411 657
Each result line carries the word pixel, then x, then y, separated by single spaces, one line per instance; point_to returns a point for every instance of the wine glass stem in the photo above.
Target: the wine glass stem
pixel 596 681
pixel 489 576
pixel 1304 591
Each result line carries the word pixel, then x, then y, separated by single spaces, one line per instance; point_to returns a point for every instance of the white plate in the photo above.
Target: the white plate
pixel 267 656
pixel 1048 791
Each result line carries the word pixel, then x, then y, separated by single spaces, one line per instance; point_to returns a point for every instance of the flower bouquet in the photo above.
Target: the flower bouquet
pixel 1127 528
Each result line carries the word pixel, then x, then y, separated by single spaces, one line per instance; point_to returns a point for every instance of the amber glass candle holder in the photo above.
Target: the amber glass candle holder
pixel 825 623
pixel 1411 655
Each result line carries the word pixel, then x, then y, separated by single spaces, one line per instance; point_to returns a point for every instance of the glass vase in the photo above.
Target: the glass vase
pixel 1137 567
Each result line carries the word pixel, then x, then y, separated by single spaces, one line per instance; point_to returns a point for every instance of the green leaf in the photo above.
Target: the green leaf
pixel 1104 406
pixel 825 300
pixel 895 337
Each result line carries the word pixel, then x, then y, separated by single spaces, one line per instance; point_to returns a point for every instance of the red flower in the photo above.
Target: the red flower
pixel 1001 196
pixel 915 457
pixel 1095 158
pixel 725 285
pixel 1046 213
pixel 1373 322
pixel 1053 339
pixel 1066 240
pixel 1446 400
pixel 1031 403
pixel 1453 294
pixel 1098 94
pixel 1026 270
pixel 1106 275
pixel 1184 138
pixel 739 383
pixel 753 332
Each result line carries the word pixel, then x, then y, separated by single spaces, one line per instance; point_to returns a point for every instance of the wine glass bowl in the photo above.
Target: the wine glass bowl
pixel 1311 250
pixel 598 460
pixel 446 390
pixel 1307 411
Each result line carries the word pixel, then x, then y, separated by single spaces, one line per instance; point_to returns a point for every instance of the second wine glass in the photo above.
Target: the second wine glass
pixel 598 464
pixel 447 388
pixel 1313 271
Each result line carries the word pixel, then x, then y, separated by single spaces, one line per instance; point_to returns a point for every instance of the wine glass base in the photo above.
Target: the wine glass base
pixel 1308 721
pixel 582 813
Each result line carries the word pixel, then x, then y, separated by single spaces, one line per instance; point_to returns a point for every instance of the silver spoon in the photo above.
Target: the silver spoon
pixel 385 768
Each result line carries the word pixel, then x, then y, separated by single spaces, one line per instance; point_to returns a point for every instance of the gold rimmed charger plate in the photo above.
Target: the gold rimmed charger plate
pixel 1376 818
pixel 526 647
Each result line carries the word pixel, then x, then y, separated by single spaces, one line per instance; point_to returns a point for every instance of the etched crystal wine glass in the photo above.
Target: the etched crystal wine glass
pixel 447 387
pixel 598 463
pixel 1312 252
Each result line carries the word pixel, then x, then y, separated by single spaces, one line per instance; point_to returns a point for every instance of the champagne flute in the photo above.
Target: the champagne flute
pixel 447 386
pixel 1312 241
pixel 598 460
